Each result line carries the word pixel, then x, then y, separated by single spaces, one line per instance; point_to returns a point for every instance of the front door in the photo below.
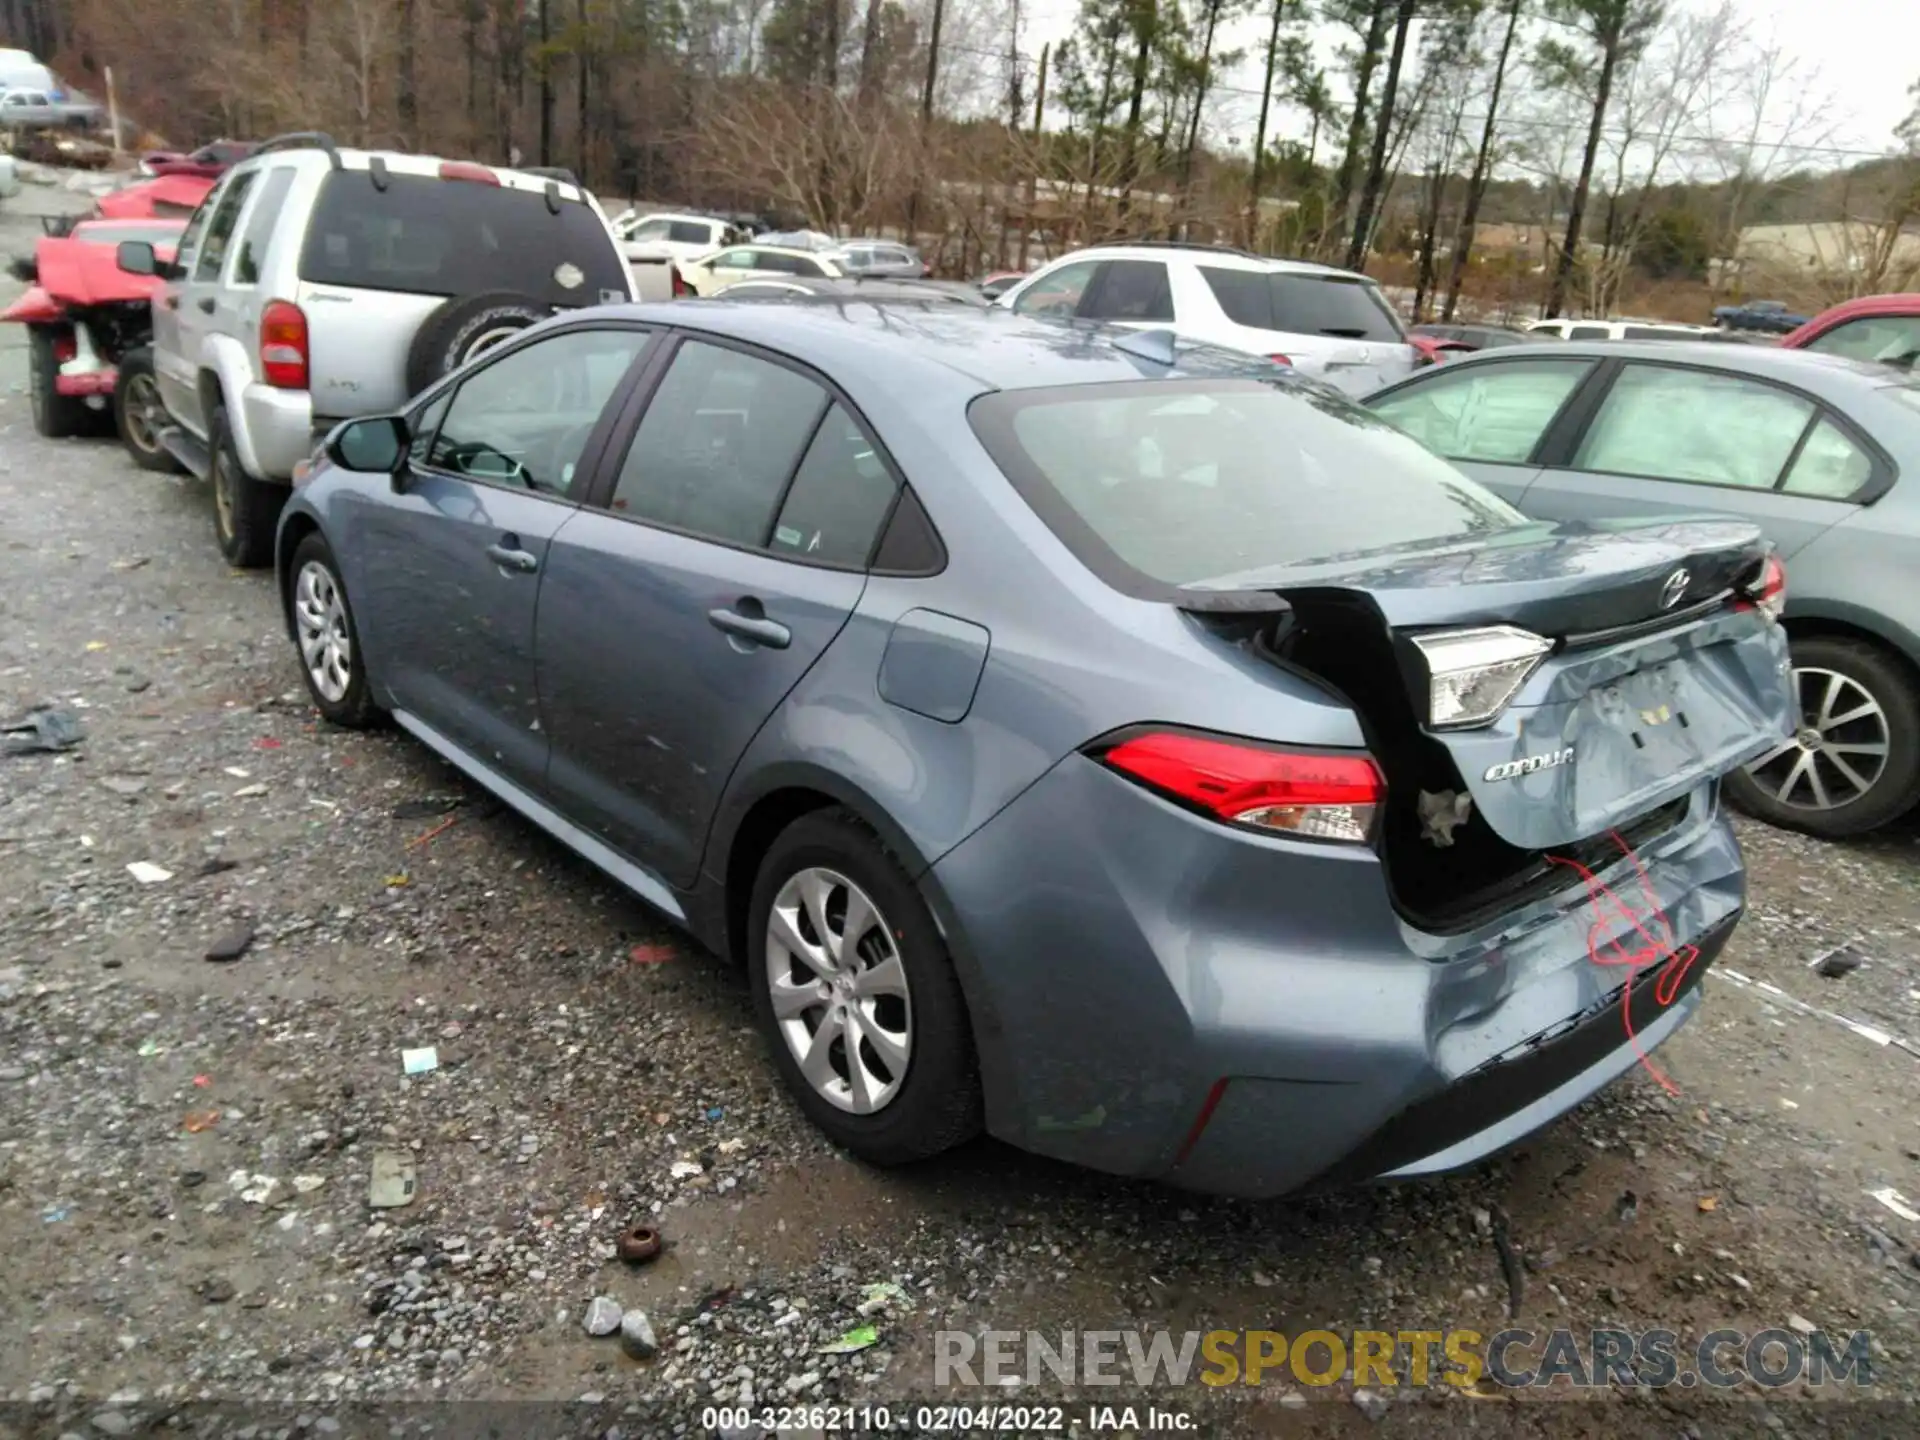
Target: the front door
pixel 731 549
pixel 452 565
pixel 175 370
pixel 1674 439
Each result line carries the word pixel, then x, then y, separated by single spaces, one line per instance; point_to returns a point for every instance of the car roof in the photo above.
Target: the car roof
pixel 1895 304
pixel 956 350
pixel 1803 367
pixel 402 162
pixel 773 250
pixel 1222 258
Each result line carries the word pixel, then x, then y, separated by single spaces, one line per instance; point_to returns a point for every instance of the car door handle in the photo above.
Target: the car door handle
pixel 510 557
pixel 756 628
pixel 208 304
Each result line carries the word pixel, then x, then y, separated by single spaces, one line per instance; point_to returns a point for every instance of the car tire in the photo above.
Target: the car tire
pixel 245 510
pixel 465 327
pixel 933 1102
pixel 325 637
pixel 55 416
pixel 1856 674
pixel 139 415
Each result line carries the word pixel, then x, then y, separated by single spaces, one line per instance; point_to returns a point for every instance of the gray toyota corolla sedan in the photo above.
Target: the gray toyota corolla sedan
pixel 1130 748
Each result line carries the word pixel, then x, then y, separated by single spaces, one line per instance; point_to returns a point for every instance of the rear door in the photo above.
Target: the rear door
pixel 173 369
pixel 728 548
pixel 1488 417
pixel 375 262
pixel 1681 439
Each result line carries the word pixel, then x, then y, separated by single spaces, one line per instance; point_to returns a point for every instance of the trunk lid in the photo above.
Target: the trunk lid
pixel 1652 686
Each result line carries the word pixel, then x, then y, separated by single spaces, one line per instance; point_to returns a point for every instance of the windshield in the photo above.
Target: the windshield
pixel 1157 484
pixel 426 236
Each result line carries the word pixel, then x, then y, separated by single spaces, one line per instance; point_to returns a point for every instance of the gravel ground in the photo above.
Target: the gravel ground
pixel 186 1144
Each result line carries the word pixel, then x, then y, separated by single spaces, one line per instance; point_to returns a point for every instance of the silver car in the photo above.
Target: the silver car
pixel 1822 453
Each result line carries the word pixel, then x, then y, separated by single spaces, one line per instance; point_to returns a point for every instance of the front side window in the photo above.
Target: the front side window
pixel 213 250
pixel 733 260
pixel 1057 293
pixel 1485 412
pixel 525 419
pixel 260 219
pixel 1891 339
pixel 1589 332
pixel 1158 484
pixel 1694 426
pixel 689 232
pixel 719 441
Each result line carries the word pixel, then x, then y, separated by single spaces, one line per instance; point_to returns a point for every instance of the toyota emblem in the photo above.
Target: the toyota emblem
pixel 1675 587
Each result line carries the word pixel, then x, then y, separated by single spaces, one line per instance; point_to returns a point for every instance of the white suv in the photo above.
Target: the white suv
pixel 316 284
pixel 1331 324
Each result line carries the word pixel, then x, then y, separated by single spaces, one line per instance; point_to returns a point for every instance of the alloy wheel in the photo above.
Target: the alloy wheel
pixel 143 414
pixel 839 989
pixel 320 617
pixel 1838 753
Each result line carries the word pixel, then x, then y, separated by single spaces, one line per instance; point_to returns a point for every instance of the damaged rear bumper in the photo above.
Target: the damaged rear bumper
pixel 1156 995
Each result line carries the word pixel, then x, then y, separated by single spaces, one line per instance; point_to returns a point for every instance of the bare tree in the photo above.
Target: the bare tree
pixel 1482 160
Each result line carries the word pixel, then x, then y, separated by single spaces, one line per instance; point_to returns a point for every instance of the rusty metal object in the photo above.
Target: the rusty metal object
pixel 639 1245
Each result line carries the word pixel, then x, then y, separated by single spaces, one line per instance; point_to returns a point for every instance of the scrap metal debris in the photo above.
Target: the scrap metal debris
pixel 1842 959
pixel 1894 1201
pixel 43 730
pixel 1442 814
pixel 638 1245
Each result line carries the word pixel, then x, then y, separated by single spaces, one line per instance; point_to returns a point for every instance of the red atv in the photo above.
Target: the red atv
pixel 89 325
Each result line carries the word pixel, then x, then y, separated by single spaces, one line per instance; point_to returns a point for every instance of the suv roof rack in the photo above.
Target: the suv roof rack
pixel 1152 244
pixel 302 140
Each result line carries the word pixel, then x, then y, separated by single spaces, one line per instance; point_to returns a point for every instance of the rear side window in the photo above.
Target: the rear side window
pixel 1304 304
pixel 839 497
pixel 1697 426
pixel 219 237
pixel 688 232
pixel 1129 290
pixel 1484 412
pixel 260 219
pixel 718 443
pixel 1589 332
pixel 426 236
pixel 1159 484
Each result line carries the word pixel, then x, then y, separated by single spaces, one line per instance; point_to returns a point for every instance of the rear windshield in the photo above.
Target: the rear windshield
pixel 426 236
pixel 1304 304
pixel 1157 484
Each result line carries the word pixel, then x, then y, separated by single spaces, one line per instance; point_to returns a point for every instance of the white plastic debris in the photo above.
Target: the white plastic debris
pixel 393 1181
pixel 419 1062
pixel 1895 1201
pixel 685 1169
pixel 307 1184
pixel 147 873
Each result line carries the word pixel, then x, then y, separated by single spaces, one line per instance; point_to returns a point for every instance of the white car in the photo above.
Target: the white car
pixel 668 236
pixel 1621 330
pixel 714 273
pixel 1327 323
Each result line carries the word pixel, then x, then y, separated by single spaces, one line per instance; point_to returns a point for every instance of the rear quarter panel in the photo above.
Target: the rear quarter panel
pixel 1861 571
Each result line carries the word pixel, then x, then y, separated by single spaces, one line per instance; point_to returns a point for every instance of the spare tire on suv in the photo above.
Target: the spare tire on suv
pixel 464 327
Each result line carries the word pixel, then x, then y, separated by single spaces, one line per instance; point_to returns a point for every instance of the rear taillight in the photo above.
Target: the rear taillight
pixel 681 290
pixel 1281 359
pixel 1472 675
pixel 1286 792
pixel 283 346
pixel 1767 592
pixel 467 170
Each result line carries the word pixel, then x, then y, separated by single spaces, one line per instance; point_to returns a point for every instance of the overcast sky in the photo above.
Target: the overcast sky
pixel 1867 52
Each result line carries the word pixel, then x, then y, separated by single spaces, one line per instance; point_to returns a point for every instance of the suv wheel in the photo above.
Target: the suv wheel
pixel 245 510
pixel 859 1001
pixel 466 327
pixel 1854 762
pixel 139 414
pixel 55 416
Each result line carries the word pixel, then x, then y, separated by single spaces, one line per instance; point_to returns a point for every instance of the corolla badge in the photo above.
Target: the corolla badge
pixel 1509 769
pixel 1675 587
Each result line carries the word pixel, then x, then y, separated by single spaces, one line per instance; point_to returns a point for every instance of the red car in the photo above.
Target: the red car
pixel 1875 327
pixel 89 324
pixel 1432 349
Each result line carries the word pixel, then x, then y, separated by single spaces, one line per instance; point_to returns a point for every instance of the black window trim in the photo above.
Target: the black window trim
pixel 1569 431
pixel 242 185
pixel 256 223
pixel 620 436
pixel 590 455
pixel 1435 375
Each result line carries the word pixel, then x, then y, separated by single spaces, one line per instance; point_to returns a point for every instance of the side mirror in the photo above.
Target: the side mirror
pixel 376 445
pixel 136 257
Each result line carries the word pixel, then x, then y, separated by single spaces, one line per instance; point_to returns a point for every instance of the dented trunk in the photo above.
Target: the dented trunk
pixel 1653 673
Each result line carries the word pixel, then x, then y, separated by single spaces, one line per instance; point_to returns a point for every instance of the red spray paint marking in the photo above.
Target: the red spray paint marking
pixel 1655 933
